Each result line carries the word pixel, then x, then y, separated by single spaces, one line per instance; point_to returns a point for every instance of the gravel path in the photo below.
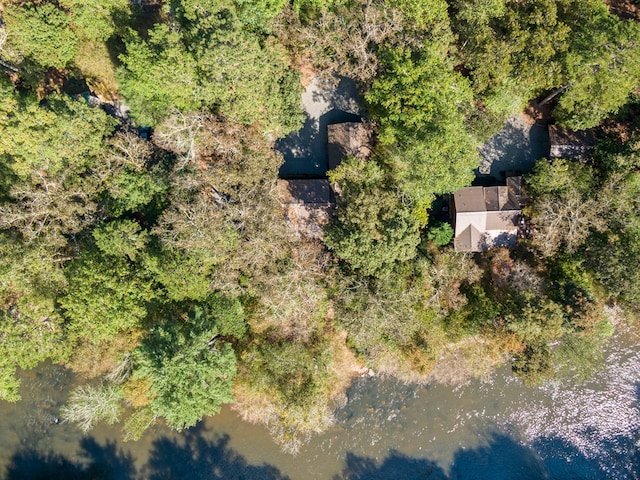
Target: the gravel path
pixel 324 103
pixel 516 147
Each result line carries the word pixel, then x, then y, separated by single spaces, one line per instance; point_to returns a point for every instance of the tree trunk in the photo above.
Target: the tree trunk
pixel 554 94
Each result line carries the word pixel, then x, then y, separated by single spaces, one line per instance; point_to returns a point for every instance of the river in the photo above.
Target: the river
pixel 491 430
pixel 496 429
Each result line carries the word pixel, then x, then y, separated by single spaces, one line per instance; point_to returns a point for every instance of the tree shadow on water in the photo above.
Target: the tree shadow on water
pixel 499 458
pixel 96 462
pixel 192 457
pixel 189 456
pixel 394 466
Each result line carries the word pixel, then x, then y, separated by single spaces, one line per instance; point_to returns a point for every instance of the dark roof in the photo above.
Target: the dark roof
pixel 348 139
pixel 485 199
pixel 469 238
pixel 486 216
pixel 569 143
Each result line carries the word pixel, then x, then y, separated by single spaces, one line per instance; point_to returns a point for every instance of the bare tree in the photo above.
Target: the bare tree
pixel 564 219
pixel 179 133
pixel 347 41
pixel 49 207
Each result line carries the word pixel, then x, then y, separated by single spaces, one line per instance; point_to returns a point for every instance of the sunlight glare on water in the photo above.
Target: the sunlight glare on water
pixel 491 430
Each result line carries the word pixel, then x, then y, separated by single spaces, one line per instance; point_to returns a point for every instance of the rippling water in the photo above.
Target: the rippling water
pixel 492 430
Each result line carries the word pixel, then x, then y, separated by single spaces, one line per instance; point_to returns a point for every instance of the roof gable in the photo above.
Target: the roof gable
pixel 485 217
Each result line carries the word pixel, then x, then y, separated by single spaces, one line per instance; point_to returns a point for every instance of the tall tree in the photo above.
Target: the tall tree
pixel 190 365
pixel 158 74
pixel 41 33
pixel 109 288
pixel 564 208
pixel 372 229
pixel 576 50
pixel 211 61
pixel 49 152
pixel 602 66
pixel 420 103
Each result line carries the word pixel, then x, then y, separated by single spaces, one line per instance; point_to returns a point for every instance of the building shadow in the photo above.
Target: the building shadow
pixel 516 147
pixel 305 151
pixel 325 102
pixel 341 93
pixel 299 151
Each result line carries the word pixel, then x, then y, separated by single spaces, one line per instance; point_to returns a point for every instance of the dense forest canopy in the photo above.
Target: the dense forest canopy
pixel 163 270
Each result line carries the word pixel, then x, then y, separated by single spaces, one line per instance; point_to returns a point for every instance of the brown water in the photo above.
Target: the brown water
pixel 492 430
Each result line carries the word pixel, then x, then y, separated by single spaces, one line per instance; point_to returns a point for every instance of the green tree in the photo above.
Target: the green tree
pixel 190 367
pixel 517 51
pixel 440 234
pixel 373 229
pixel 417 93
pixel 211 62
pixel 603 66
pixel 393 323
pixel 504 40
pixel 536 320
pixel 420 103
pixel 26 341
pixel 49 152
pixel 52 137
pixel 95 20
pixel 130 178
pixel 433 165
pixel 291 384
pixel 534 364
pixel 564 208
pixel 108 292
pixel 158 74
pixel 41 33
pixel 256 14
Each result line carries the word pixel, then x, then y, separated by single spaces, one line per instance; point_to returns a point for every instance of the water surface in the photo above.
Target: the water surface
pixel 484 430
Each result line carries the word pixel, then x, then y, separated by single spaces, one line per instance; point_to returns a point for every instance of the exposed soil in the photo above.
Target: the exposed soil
pixel 623 125
pixel 624 9
pixel 305 68
pixel 540 114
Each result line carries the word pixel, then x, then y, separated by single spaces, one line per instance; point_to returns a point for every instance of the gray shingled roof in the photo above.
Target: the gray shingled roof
pixel 485 216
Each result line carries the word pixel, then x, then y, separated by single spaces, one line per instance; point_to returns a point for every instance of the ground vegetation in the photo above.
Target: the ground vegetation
pixel 163 271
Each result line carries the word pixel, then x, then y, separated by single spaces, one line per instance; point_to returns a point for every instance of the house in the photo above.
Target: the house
pixel 348 139
pixel 565 143
pixel 308 204
pixel 486 217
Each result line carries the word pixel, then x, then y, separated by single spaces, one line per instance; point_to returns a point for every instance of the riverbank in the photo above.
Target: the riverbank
pixel 496 429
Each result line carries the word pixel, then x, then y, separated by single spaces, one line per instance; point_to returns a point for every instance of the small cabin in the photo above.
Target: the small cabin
pixel 308 203
pixel 564 143
pixel 486 217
